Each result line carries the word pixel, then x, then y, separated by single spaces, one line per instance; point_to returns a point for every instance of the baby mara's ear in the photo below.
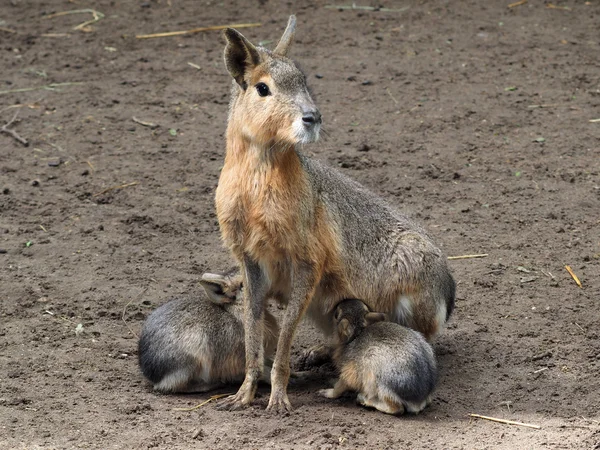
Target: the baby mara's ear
pixel 216 287
pixel 345 330
pixel 337 315
pixel 240 56
pixel 374 317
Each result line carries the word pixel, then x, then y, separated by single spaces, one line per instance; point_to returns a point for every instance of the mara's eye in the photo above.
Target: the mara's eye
pixel 263 89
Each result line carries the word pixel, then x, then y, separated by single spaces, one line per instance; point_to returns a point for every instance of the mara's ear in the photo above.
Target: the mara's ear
pixel 374 317
pixel 288 36
pixel 240 55
pixel 216 286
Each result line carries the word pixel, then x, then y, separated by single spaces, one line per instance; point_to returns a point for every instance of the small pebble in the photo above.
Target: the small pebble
pixel 35 182
pixel 198 434
pixel 318 75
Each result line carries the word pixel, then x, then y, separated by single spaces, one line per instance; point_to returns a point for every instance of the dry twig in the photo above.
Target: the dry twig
pixel 541 355
pixel 120 186
pixel 196 30
pixel 508 422
pixel 97 16
pixel 482 255
pixel 125 309
pixel 7 30
pixel 548 273
pixel 550 105
pixel 49 87
pixel 193 408
pixel 53 35
pixel 366 8
pixel 594 120
pixel 144 124
pixel 573 275
pixel 391 96
pixel 519 3
pixel 13 133
pixel 552 6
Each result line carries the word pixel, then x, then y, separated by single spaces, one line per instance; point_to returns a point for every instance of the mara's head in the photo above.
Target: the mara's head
pixel 271 101
pixel 351 316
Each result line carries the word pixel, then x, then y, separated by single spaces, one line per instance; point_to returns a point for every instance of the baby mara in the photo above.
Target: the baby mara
pixel 392 367
pixel 197 344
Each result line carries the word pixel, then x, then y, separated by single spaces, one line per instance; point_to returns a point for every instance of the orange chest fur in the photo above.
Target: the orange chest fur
pixel 260 207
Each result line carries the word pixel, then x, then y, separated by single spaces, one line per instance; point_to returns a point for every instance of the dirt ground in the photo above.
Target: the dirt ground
pixel 475 118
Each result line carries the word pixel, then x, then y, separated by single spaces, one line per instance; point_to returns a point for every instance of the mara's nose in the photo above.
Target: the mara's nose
pixel 312 117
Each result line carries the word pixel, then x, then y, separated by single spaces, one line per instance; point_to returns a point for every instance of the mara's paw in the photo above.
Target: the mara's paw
pixel 327 393
pixel 240 400
pixel 315 356
pixel 279 403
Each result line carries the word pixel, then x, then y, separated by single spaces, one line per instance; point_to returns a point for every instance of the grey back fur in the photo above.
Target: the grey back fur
pixel 383 252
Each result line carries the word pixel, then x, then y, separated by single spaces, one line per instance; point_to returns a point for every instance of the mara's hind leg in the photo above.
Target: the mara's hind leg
pixel 384 405
pixel 197 386
pixel 424 311
pixel 416 408
pixel 338 389
pixel 434 303
pixel 183 381
pixel 315 356
pixel 295 377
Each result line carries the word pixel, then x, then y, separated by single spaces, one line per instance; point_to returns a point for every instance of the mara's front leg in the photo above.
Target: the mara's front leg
pixel 255 288
pixel 304 282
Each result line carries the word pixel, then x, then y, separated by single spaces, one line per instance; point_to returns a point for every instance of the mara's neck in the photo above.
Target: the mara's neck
pixel 253 153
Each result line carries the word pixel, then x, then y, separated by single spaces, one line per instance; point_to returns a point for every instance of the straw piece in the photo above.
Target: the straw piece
pixel 519 3
pixel 482 255
pixel 196 30
pixel 508 422
pixel 573 275
pixel 120 186
pixel 193 408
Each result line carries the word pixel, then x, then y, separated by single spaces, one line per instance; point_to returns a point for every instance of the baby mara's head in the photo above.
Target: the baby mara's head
pixel 350 317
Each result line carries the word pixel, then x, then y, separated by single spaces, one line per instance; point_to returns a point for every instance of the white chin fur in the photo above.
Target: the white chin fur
pixel 306 135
